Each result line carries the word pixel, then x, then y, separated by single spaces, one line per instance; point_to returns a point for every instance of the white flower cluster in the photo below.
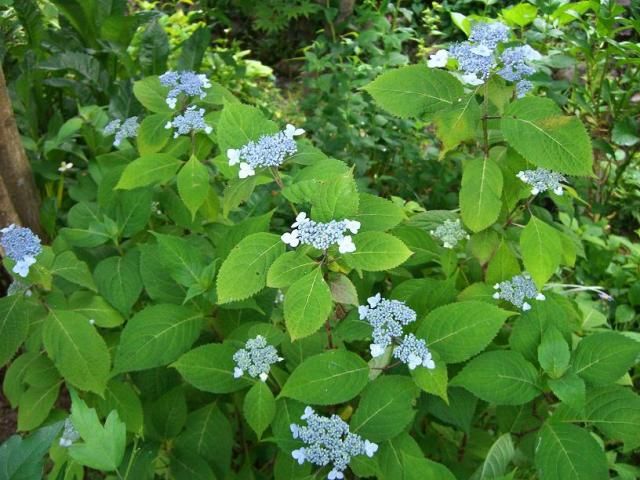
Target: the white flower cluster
pixel 542 180
pixel 518 290
pixel 328 441
pixel 192 120
pixel 256 358
pixel 69 435
pixel 188 83
pixel 267 151
pixel 122 130
pixel 450 233
pixel 388 317
pixel 22 246
pixel 322 235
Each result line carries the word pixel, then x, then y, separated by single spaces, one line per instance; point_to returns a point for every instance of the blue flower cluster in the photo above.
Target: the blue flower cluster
pixel 256 358
pixel 542 180
pixel 328 441
pixel 22 246
pixel 122 130
pixel 69 435
pixel 518 290
pixel 450 233
pixel 516 67
pixel 267 151
pixel 387 317
pixel 188 83
pixel 414 352
pixel 192 120
pixel 322 235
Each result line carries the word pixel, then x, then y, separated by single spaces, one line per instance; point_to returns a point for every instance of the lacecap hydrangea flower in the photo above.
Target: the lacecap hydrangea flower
pixel 413 352
pixel 122 130
pixel 328 441
pixel 450 233
pixel 518 290
pixel 516 67
pixel 387 318
pixel 322 235
pixel 267 151
pixel 255 358
pixel 188 83
pixel 22 246
pixel 192 120
pixel 69 435
pixel 542 180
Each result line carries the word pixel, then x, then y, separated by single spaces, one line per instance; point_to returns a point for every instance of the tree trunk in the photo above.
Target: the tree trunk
pixel 19 198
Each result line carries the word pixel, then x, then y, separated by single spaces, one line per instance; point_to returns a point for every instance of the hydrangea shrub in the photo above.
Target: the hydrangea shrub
pixel 230 303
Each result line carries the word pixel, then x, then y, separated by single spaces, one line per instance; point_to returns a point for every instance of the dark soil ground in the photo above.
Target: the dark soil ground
pixel 8 417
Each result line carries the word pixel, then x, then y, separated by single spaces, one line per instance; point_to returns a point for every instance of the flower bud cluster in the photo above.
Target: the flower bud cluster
pixel 516 67
pixel 122 130
pixel 22 246
pixel 192 120
pixel 328 441
pixel 188 83
pixel 267 151
pixel 69 435
pixel 414 352
pixel 322 235
pixel 450 233
pixel 518 290
pixel 255 358
pixel 542 180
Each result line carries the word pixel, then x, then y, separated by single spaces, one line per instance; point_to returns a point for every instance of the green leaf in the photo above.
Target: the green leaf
pixel 343 290
pixel 538 131
pixel 480 194
pixel 503 265
pixel 377 251
pixel 210 368
pixel 239 124
pixel 118 280
pixel 419 468
pixel 35 405
pixel 307 305
pixel 329 378
pixel 289 268
pixel 67 266
pixel 385 408
pixel 157 336
pixel 23 458
pixel 153 134
pixel 615 411
pixel 566 451
pixel 520 15
pixel 193 184
pixel 541 249
pixel 553 353
pixel 415 90
pixel 461 330
pixel 501 377
pixel 14 327
pixel 103 446
pixel 152 95
pixel 237 191
pixel 433 380
pixel 167 415
pixel 95 308
pixel 497 458
pixel 376 213
pixel 244 272
pixel 78 351
pixel 336 198
pixel 185 465
pixel 259 407
pixel 122 397
pixel 457 123
pixel 603 358
pixel 180 259
pixel 149 170
pixel 569 388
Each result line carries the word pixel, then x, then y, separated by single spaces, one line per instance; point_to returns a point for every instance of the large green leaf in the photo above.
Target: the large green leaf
pixel 457 123
pixel 541 250
pixel 157 336
pixel 566 451
pixel 78 351
pixel 377 251
pixel 148 170
pixel 67 266
pixel 497 459
pixel 193 184
pixel 180 259
pixel 244 272
pixel 152 95
pixel 239 124
pixel 385 408
pixel 536 128
pixel 153 134
pixel 376 213
pixel 289 268
pixel 307 305
pixel 419 468
pixel 328 378
pixel 14 326
pixel 259 407
pixel 461 330
pixel 210 368
pixel 480 194
pixel 603 358
pixel 502 377
pixel 433 380
pixel 415 90
pixel 553 353
pixel 36 404
pixel 23 458
pixel 615 411
pixel 118 280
